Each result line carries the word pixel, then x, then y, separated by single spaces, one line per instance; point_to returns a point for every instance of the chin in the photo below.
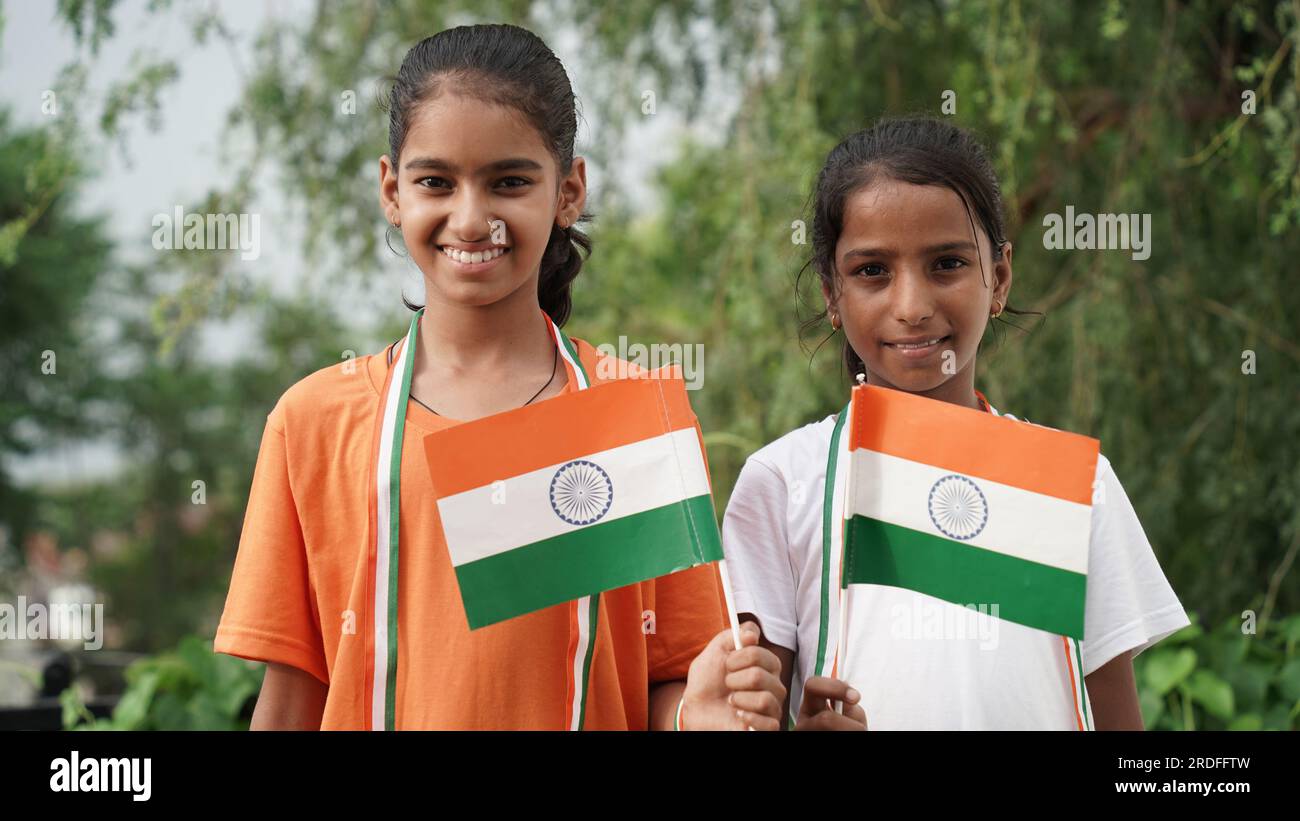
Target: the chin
pixel 916 381
pixel 477 294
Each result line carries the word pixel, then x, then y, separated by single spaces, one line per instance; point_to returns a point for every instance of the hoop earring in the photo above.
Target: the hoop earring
pixel 388 241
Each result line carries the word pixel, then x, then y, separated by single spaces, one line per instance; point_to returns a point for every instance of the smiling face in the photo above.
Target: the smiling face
pixel 908 287
pixel 475 197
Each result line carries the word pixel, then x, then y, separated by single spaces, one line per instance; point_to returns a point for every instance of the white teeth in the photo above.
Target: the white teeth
pixel 915 344
pixel 470 258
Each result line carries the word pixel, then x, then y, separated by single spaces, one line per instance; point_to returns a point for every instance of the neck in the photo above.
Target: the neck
pixel 511 332
pixel 960 390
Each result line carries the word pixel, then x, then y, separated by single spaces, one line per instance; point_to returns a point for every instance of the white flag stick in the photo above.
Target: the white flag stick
pixel 841 649
pixel 731 606
pixel 731 603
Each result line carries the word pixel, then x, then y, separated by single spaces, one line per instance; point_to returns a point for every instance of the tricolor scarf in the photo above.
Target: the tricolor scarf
pixel 385 547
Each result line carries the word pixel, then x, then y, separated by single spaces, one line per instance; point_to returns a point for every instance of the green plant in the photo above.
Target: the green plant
pixel 190 688
pixel 1222 679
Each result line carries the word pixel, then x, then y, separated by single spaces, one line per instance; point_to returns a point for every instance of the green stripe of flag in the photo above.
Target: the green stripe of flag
pixel 1028 593
pixel 584 562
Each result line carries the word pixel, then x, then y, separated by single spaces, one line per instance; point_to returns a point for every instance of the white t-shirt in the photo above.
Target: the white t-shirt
pixel 918 661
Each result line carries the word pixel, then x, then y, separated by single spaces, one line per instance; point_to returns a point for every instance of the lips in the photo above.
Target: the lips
pixel 918 342
pixel 473 256
pixel 918 347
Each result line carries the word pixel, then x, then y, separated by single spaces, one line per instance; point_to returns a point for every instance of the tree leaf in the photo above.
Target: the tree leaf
pixel 1288 681
pixel 133 707
pixel 1166 670
pixel 1247 721
pixel 1212 693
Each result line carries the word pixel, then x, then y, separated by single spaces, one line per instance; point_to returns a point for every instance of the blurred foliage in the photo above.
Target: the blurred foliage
pixel 189 688
pixel 185 420
pixel 1107 107
pixel 49 259
pixel 1222 679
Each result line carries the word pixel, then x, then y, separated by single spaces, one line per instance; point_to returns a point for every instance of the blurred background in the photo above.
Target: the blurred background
pixel 136 381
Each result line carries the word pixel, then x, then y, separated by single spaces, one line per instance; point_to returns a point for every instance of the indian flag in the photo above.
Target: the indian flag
pixel 969 507
pixel 582 493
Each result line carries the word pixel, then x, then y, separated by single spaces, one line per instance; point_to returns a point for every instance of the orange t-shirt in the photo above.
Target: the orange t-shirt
pixel 298 593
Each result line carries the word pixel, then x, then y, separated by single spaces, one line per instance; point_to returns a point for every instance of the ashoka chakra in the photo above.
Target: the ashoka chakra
pixel 581 492
pixel 958 507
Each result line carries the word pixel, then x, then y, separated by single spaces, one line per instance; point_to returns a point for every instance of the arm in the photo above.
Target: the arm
pixel 725 689
pixel 291 699
pixel 1112 692
pixel 1137 609
pixel 663 703
pixel 783 655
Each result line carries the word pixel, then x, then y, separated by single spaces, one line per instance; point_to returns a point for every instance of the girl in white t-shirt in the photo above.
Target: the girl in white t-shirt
pixel 912 255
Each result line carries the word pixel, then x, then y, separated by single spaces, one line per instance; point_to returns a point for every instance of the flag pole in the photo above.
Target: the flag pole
pixel 731 603
pixel 731 606
pixel 841 651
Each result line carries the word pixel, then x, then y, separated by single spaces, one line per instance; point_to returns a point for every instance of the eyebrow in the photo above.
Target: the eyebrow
pixel 885 251
pixel 509 164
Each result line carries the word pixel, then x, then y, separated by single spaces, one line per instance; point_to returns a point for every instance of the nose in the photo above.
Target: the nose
pixel 913 302
pixel 468 217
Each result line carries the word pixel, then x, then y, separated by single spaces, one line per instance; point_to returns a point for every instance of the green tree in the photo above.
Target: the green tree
pixel 50 263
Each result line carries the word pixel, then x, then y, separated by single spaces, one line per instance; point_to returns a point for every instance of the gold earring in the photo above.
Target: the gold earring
pixel 835 321
pixel 997 310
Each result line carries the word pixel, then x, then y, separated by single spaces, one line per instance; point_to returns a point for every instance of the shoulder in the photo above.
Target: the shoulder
pixel 812 438
pixel 798 456
pixel 1104 469
pixel 1110 503
pixel 341 393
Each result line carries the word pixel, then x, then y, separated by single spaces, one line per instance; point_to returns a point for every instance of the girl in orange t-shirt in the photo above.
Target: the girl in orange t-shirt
pixel 482 183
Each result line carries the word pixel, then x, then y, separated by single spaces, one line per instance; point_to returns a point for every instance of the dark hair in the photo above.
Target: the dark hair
pixel 509 66
pixel 920 150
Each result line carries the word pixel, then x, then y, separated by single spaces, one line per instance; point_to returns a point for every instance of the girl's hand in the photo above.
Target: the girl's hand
pixel 817 713
pixel 729 689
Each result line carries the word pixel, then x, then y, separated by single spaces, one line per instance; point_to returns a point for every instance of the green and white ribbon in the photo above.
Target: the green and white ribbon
pixel 388 475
